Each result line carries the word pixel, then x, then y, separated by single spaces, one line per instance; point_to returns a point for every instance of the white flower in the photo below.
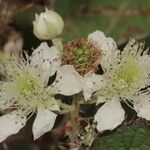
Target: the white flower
pixel 85 55
pixel 26 91
pixel 126 79
pixel 48 25
pixel 67 81
pixel 107 46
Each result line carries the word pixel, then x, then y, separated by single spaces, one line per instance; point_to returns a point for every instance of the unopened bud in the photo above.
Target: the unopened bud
pixel 48 25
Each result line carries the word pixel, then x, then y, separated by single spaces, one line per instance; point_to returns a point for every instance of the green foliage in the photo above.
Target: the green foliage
pixel 128 138
pixel 119 19
pixel 69 7
pixel 116 3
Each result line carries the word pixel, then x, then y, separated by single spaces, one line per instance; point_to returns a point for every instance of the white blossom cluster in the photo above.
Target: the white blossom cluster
pixel 125 79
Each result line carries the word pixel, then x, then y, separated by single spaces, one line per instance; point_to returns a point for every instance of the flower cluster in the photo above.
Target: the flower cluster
pixel 74 67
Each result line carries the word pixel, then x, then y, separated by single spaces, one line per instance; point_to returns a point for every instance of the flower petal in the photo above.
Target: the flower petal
pixel 43 123
pixel 10 124
pixel 110 115
pixel 68 81
pixel 46 59
pixel 142 106
pixel 92 82
pixel 109 50
pixel 107 45
pixel 97 36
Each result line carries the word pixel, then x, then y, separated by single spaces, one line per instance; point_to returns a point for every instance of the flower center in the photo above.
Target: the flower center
pixel 125 76
pixel 29 93
pixel 129 72
pixel 26 84
pixel 82 54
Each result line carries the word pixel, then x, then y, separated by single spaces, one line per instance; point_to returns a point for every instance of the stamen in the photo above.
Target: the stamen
pixel 82 54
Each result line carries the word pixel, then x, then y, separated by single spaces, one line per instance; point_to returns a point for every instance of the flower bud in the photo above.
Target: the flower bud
pixel 48 25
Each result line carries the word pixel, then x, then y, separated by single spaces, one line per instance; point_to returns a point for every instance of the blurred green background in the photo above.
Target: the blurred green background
pixel 120 19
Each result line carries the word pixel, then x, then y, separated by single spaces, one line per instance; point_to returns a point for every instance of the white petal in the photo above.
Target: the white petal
pixel 110 115
pixel 46 59
pixel 10 124
pixel 109 50
pixel 92 82
pixel 68 81
pixel 108 59
pixel 43 123
pixel 142 106
pixel 107 45
pixel 97 36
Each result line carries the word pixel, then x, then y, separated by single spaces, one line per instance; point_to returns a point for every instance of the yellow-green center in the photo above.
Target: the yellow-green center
pixel 129 72
pixel 126 75
pixel 29 92
pixel 26 83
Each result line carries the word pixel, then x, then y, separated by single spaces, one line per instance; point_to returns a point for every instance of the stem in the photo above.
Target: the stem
pixel 73 120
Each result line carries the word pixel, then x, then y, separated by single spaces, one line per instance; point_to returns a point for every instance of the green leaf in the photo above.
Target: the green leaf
pixel 129 138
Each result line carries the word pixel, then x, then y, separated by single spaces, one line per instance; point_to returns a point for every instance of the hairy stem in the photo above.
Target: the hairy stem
pixel 73 118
